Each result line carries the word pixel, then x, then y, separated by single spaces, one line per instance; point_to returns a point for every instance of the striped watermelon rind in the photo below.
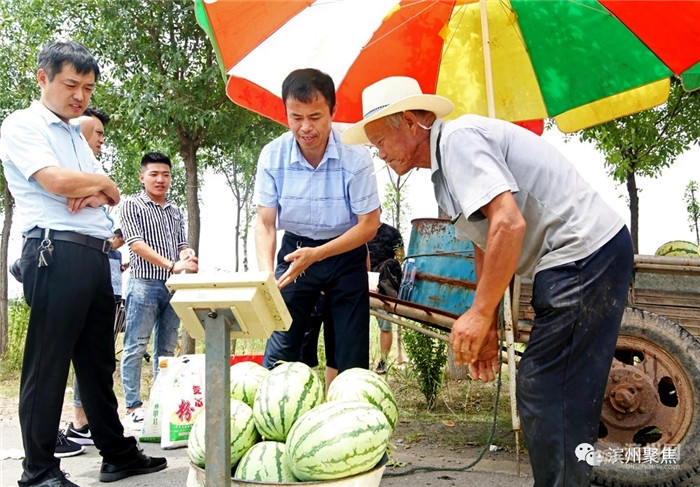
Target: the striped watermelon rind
pixel 364 385
pixel 337 439
pixel 245 380
pixel 265 462
pixel 244 434
pixel 678 248
pixel 195 443
pixel 288 391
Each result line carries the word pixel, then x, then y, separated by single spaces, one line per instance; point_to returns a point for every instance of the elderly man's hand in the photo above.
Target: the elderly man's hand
pixel 486 365
pixel 470 333
pixel 300 260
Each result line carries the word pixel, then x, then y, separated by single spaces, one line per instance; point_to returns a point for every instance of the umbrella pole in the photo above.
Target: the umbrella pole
pixel 487 58
pixel 510 312
pixel 510 346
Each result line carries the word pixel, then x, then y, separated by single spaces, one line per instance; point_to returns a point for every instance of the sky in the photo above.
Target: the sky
pixel 663 216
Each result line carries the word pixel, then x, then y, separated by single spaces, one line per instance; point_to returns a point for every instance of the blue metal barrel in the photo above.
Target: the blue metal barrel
pixel 438 269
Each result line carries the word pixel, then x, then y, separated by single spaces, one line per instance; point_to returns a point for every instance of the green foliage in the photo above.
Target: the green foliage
pixel 691 200
pixel 25 26
pixel 645 143
pixel 18 313
pixel 428 355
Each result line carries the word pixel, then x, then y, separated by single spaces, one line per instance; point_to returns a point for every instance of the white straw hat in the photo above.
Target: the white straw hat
pixel 393 95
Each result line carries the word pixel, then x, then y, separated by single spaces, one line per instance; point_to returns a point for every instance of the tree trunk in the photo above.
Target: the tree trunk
pixel 8 210
pixel 246 229
pixel 237 235
pixel 188 152
pixel 634 209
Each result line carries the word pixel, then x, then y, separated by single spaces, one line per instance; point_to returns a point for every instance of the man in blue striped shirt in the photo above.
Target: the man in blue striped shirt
pixel 154 229
pixel 323 194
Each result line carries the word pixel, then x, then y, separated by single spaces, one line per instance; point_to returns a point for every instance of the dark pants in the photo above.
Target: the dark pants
pixel 321 315
pixel 343 279
pixel 563 373
pixel 71 316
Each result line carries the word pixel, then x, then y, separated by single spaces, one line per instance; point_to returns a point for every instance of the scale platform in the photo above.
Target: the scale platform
pixel 249 301
pixel 219 307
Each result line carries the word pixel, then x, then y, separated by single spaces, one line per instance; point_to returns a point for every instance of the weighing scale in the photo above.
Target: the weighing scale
pixel 218 307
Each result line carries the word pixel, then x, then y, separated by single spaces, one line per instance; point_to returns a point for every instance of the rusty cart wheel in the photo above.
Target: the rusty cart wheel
pixel 649 431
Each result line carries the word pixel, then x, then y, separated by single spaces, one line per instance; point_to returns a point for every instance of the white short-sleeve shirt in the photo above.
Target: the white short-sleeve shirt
pixel 481 158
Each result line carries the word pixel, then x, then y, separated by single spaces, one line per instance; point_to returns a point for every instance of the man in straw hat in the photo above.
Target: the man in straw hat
pixel 528 212
pixel 323 194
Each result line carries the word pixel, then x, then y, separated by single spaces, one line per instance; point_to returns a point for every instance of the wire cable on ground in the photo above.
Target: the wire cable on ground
pixel 414 470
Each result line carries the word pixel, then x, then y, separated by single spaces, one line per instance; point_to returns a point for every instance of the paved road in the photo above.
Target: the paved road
pixel 497 469
pixel 493 471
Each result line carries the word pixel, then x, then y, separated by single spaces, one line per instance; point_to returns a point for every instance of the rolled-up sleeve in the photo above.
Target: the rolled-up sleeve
pixel 131 221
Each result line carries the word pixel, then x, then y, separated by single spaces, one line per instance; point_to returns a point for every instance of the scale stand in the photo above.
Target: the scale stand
pixel 218 307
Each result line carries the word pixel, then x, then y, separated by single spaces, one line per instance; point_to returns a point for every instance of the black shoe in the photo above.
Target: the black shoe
pixel 57 480
pixel 141 464
pixel 66 447
pixel 381 367
pixel 82 436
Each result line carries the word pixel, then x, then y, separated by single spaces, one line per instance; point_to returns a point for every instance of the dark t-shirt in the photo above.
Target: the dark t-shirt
pixel 383 246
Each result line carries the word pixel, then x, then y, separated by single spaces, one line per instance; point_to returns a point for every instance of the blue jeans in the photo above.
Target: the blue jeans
pixel 147 306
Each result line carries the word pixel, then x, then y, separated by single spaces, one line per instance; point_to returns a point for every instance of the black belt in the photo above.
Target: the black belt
pixel 303 239
pixel 103 246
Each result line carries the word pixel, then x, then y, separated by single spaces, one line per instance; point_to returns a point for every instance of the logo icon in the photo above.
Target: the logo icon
pixel 586 452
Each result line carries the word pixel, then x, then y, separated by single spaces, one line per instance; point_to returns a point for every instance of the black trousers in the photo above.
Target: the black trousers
pixel 343 279
pixel 71 316
pixel 321 315
pixel 564 370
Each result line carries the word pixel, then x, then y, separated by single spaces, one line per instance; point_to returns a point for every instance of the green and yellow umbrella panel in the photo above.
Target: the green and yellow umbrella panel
pixel 581 62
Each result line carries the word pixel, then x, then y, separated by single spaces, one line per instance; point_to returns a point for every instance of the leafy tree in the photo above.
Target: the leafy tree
pixel 239 169
pixel 164 90
pixel 691 199
pixel 645 143
pixel 161 84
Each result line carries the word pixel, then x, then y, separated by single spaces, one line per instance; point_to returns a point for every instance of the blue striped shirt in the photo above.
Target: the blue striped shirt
pixel 320 203
pixel 161 227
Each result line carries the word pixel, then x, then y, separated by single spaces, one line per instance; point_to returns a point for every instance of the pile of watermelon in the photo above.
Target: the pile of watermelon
pixel 282 430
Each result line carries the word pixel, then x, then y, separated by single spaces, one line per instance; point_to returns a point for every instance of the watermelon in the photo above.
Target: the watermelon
pixel 337 439
pixel 678 248
pixel 195 444
pixel 363 385
pixel 245 380
pixel 267 462
pixel 287 392
pixel 243 434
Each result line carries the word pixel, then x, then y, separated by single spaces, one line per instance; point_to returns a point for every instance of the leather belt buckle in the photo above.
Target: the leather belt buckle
pixel 106 246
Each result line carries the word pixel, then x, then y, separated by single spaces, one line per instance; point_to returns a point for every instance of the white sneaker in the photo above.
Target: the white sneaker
pixel 134 419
